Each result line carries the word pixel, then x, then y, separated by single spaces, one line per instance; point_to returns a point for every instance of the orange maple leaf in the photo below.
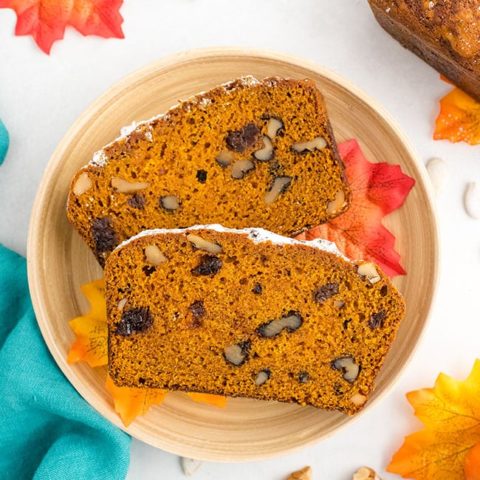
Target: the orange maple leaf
pixel 46 20
pixel 459 118
pixel 444 449
pixel 91 343
pixel 214 400
pixel 129 402
pixel 377 190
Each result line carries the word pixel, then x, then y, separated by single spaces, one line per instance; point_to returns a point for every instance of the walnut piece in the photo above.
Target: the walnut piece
pixel 266 153
pixel 82 185
pixel 241 167
pixel 303 474
pixel 337 204
pixel 123 186
pixel 358 399
pixel 262 376
pixel 225 158
pixel 348 367
pixel 369 270
pixel 274 125
pixel 318 143
pixel 291 321
pixel 202 244
pixel 237 354
pixel 365 473
pixel 280 184
pixel 170 203
pixel 154 256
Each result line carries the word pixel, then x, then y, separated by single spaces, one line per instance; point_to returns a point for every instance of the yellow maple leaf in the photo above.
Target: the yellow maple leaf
pixel 450 412
pixel 90 329
pixel 459 118
pixel 214 400
pixel 130 402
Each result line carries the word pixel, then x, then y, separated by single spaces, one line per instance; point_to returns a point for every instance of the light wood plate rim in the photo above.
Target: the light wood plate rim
pixel 35 265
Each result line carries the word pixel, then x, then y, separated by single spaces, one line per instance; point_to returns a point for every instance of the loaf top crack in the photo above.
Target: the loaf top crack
pixel 248 153
pixel 250 314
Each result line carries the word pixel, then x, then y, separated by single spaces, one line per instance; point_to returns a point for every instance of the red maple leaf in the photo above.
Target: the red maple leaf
pixel 46 20
pixel 377 190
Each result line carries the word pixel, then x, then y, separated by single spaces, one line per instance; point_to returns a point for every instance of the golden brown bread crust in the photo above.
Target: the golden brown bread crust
pixel 175 157
pixel 184 318
pixel 444 33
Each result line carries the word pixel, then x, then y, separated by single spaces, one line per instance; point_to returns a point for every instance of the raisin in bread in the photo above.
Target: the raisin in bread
pixel 245 154
pixel 250 314
pixel 444 33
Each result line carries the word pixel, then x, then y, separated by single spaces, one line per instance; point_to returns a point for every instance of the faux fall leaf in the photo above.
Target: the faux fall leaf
pixel 447 448
pixel 377 190
pixel 46 20
pixel 91 331
pixel 129 402
pixel 214 400
pixel 459 118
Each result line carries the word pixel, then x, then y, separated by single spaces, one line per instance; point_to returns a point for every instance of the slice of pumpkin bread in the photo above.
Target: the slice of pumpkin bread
pixel 248 153
pixel 250 314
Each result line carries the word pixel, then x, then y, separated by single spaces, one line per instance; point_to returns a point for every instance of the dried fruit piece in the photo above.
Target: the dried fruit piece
pixel 103 235
pixel 237 354
pixel 257 289
pixel 303 474
pixel 137 200
pixel 135 320
pixel 274 126
pixel 325 292
pixel 124 186
pixel 348 367
pixel 201 176
pixel 169 203
pixel 82 185
pixel 154 255
pixel 202 244
pixel 291 322
pixel 209 265
pixel 279 185
pixel 262 376
pixel 318 143
pixel 369 271
pixel 337 204
pixel 266 153
pixel 241 167
pixel 377 319
pixel 198 311
pixel 225 158
pixel 240 140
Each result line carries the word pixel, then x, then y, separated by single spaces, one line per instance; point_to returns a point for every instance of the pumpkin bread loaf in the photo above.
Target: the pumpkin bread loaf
pixel 444 33
pixel 248 153
pixel 250 314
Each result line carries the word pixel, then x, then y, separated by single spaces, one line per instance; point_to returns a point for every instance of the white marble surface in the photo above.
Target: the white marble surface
pixel 41 96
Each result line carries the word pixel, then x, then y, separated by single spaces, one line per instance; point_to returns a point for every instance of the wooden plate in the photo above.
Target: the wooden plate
pixel 59 262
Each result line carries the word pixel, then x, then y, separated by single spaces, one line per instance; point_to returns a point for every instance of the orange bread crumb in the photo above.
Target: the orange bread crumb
pixel 245 154
pixel 228 312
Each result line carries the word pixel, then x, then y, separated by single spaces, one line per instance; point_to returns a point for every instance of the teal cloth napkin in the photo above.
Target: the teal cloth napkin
pixel 4 141
pixel 47 431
